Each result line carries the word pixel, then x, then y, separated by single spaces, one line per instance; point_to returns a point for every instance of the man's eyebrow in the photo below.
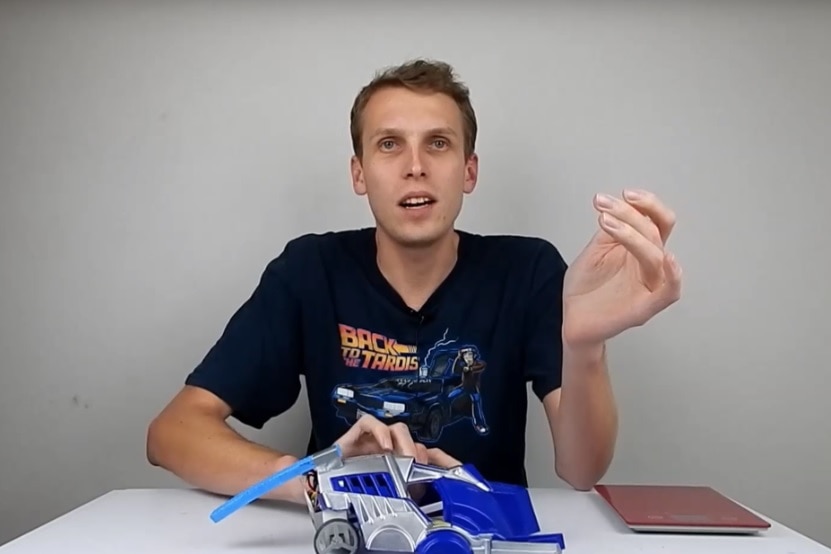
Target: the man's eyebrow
pixel 397 132
pixel 442 131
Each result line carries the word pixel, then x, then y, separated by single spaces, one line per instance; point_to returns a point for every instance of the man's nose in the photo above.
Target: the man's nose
pixel 415 164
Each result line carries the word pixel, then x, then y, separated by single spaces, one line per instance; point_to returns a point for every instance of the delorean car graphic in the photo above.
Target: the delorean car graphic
pixel 444 391
pixel 389 503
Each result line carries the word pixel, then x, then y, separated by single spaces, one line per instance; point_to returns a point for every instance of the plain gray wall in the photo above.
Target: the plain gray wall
pixel 155 155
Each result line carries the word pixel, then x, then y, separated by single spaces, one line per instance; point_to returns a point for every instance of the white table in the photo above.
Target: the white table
pixel 176 521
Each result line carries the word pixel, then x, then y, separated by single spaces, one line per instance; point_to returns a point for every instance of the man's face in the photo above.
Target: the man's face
pixel 413 169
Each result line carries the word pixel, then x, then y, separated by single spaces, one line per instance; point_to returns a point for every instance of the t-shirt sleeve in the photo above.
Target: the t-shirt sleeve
pixel 254 365
pixel 544 322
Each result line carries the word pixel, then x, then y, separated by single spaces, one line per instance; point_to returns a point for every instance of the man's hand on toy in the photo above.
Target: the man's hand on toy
pixel 625 275
pixel 370 436
pixel 438 457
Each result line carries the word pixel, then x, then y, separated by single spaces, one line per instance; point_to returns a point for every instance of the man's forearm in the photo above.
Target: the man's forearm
pixel 210 455
pixel 587 418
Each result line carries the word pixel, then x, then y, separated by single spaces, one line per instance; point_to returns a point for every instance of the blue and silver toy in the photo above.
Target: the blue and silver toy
pixel 388 503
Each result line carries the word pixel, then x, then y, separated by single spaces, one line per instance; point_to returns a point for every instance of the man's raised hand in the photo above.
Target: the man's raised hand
pixel 625 275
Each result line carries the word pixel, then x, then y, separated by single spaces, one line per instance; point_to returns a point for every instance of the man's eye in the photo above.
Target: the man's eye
pixel 440 143
pixel 387 144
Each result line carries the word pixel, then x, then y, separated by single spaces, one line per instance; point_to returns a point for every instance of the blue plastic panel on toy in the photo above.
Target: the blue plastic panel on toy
pixel 506 512
pixel 375 484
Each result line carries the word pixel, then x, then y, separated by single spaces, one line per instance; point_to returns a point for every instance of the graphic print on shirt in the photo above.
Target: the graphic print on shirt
pixel 427 394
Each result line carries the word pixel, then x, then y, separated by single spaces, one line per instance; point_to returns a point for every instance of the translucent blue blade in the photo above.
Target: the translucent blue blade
pixel 259 489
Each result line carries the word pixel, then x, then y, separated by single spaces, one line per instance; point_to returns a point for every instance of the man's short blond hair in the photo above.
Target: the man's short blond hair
pixel 423 76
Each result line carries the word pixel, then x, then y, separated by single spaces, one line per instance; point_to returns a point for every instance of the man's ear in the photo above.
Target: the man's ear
pixel 357 171
pixel 471 173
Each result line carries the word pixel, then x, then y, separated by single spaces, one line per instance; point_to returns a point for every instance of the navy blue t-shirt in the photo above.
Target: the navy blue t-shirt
pixel 455 371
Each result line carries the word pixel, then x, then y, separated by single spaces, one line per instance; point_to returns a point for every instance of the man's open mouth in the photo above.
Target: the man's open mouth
pixel 416 202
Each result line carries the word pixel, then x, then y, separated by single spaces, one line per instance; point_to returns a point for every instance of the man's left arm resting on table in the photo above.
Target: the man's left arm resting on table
pixel 582 416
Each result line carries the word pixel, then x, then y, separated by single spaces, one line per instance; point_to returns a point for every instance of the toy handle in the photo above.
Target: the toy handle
pixel 257 490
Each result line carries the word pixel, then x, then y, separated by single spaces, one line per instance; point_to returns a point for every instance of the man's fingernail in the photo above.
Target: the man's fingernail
pixel 605 201
pixel 610 221
pixel 632 195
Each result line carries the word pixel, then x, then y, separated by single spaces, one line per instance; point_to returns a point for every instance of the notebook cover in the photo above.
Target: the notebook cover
pixel 678 507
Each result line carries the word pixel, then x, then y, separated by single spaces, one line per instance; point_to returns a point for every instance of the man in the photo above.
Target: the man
pixel 377 319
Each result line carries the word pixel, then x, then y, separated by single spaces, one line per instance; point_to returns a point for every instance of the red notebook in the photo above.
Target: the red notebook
pixel 680 509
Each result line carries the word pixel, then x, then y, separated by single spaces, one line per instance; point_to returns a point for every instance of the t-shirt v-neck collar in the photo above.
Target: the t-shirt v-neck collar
pixel 370 251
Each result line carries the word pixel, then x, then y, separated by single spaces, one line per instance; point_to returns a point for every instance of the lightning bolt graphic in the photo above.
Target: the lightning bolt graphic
pixel 443 341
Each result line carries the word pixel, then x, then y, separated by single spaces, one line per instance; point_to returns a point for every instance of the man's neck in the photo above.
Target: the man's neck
pixel 415 273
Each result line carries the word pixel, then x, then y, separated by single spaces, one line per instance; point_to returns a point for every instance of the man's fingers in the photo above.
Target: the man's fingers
pixel 422 455
pixel 371 436
pixel 650 257
pixel 349 440
pixel 666 295
pixel 353 442
pixel 403 442
pixel 379 431
pixel 671 291
pixel 438 457
pixel 651 206
pixel 630 215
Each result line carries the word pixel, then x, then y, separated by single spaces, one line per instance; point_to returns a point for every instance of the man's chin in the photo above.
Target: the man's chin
pixel 419 242
pixel 418 239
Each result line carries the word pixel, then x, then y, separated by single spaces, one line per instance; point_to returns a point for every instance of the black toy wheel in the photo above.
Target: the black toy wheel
pixel 336 536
